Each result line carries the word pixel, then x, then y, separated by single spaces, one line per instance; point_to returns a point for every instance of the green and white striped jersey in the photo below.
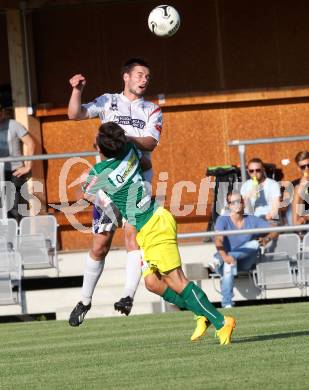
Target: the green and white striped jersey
pixel 122 180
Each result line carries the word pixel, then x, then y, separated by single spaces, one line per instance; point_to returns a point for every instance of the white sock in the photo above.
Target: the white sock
pixel 92 273
pixel 133 273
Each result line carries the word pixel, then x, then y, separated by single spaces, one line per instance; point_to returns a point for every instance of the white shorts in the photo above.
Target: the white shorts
pixel 106 216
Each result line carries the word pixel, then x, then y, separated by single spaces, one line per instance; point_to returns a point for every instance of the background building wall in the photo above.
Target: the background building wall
pixel 221 45
pixel 234 70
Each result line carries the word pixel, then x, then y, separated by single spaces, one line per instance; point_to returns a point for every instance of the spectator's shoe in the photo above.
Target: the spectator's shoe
pixel 229 305
pixel 78 314
pixel 202 323
pixel 124 305
pixel 225 333
pixel 214 265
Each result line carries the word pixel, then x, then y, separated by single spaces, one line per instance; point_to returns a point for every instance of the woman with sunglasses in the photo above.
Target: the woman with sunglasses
pixel 300 204
pixel 261 194
pixel 236 252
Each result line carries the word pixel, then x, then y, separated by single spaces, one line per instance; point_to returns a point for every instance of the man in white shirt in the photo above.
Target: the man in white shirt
pixel 261 194
pixel 142 122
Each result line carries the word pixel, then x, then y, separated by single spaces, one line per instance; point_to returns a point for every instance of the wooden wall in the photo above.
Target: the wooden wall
pixel 234 70
pixel 4 63
pixel 221 45
pixel 195 136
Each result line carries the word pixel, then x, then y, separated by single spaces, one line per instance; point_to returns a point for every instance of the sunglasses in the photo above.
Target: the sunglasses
pixel 235 202
pixel 303 167
pixel 258 170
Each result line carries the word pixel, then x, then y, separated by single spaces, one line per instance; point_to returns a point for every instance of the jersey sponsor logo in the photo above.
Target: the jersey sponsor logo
pixel 125 169
pixel 138 123
pixel 120 179
pixel 128 121
pixel 114 106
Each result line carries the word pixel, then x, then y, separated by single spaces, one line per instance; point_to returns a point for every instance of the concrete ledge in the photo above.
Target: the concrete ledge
pixel 59 295
pixel 196 271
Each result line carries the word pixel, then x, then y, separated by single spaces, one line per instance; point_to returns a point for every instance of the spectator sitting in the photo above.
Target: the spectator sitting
pixel 300 204
pixel 261 194
pixel 12 136
pixel 236 252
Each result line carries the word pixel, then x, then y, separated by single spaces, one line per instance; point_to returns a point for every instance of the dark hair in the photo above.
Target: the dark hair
pixel 231 193
pixel 304 155
pixel 111 139
pixel 256 160
pixel 131 63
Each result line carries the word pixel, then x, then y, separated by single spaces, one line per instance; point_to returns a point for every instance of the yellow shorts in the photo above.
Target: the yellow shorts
pixel 158 239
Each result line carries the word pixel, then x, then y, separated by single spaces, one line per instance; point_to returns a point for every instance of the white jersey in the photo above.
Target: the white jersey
pixel 268 192
pixel 138 118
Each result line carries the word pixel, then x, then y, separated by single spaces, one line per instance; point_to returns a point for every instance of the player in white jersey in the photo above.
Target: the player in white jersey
pixel 142 122
pixel 138 118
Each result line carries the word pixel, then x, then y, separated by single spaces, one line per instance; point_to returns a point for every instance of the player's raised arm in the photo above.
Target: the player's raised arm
pixel 146 144
pixel 75 109
pixel 152 132
pixel 145 163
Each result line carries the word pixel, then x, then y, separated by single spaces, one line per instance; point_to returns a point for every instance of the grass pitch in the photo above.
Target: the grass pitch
pixel 270 350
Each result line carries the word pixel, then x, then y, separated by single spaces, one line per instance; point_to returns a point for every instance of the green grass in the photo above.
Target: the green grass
pixel 270 350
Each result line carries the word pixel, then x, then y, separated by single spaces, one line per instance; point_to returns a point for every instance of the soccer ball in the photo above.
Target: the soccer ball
pixel 164 21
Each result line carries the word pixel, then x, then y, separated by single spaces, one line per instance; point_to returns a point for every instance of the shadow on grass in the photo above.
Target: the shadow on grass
pixel 273 336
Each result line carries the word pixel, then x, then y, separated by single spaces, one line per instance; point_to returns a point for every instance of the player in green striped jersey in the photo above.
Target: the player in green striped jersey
pixel 119 175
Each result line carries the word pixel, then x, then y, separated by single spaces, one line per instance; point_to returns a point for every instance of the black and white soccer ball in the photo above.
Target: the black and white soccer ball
pixel 164 21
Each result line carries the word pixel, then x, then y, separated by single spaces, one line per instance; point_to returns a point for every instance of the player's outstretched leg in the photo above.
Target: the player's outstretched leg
pixel 92 273
pixel 133 270
pixel 198 302
pixel 157 286
pixel 94 266
pixel 202 323
pixel 133 276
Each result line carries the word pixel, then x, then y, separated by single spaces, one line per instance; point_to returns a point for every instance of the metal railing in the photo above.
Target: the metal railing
pixel 242 147
pixel 51 156
pixel 277 229
pixel 37 157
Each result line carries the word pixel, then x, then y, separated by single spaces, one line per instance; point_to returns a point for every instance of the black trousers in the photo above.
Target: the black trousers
pixel 18 198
